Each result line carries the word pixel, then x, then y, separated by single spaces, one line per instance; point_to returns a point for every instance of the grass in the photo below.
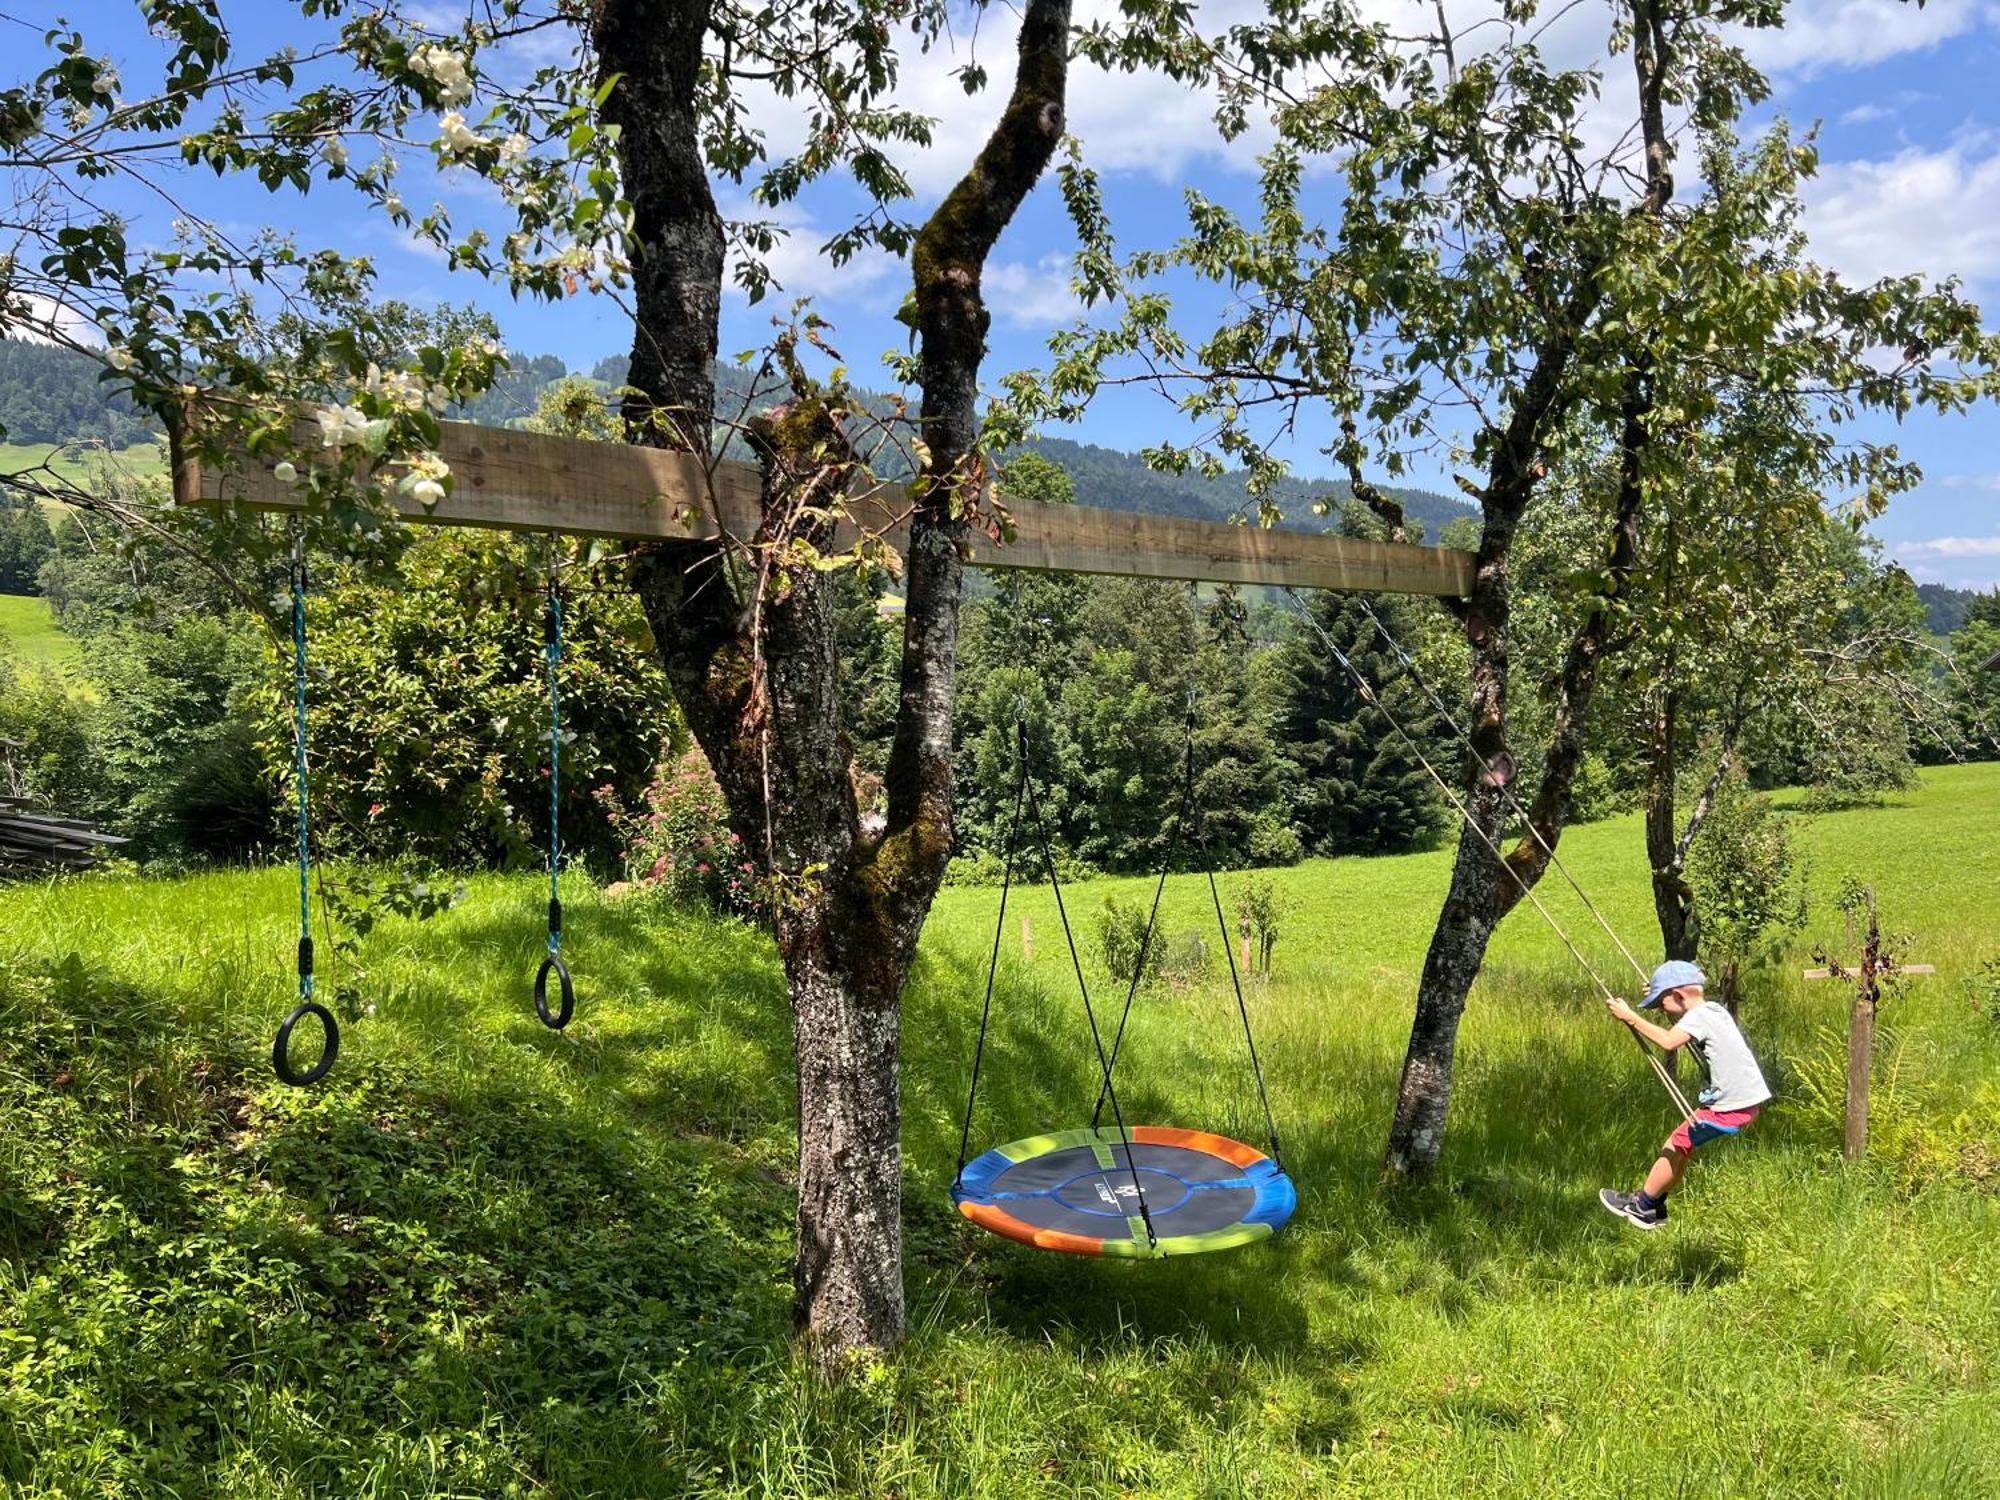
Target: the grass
pixel 28 629
pixel 486 1259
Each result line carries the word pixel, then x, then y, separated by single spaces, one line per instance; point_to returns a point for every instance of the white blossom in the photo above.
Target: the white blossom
pixel 286 472
pixel 447 69
pixel 514 147
pixel 427 492
pixel 118 359
pixel 455 137
pixel 334 153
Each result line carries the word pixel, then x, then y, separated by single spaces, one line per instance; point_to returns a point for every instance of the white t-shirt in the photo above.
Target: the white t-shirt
pixel 1732 1068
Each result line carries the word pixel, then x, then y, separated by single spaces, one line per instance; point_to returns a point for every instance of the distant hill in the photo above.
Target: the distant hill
pixel 1118 480
pixel 1945 608
pixel 52 395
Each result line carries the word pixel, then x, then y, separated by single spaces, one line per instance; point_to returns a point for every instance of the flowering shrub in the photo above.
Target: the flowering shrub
pixel 678 841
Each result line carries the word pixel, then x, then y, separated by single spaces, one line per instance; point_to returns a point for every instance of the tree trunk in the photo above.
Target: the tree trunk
pixel 1458 948
pixel 1484 888
pixel 749 645
pixel 848 1277
pixel 1673 899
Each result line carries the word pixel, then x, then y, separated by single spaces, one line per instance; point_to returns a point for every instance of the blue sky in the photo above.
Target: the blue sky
pixel 1910 181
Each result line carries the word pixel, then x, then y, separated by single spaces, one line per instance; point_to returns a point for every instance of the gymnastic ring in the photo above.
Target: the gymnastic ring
pixel 560 1019
pixel 281 1049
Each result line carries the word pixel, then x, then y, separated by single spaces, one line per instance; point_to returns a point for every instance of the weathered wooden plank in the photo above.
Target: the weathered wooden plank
pixel 525 481
pixel 1885 970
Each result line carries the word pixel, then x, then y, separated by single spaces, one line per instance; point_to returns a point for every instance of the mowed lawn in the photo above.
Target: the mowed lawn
pixel 485 1259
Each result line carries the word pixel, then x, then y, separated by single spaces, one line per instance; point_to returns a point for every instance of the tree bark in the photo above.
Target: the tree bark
pixel 1673 898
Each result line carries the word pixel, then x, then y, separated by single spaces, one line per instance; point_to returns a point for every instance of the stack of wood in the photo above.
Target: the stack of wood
pixel 32 841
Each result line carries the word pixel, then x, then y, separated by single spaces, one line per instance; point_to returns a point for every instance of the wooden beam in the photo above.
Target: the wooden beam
pixel 527 481
pixel 1852 973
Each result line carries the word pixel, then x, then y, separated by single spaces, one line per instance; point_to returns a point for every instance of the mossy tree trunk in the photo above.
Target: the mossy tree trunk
pixel 752 654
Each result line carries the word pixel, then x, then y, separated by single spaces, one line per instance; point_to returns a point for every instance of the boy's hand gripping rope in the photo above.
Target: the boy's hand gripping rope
pixel 281 1047
pixel 553 964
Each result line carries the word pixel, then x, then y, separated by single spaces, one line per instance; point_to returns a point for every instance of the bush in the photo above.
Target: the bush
pixel 58 763
pixel 431 717
pixel 1122 945
pixel 1749 886
pixel 178 738
pixel 678 842
pixel 1273 842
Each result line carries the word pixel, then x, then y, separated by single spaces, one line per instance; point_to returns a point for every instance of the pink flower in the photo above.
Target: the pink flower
pixel 702 868
pixel 374 809
pixel 660 868
pixel 735 838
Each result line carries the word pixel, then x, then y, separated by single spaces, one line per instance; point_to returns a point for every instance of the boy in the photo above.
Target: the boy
pixel 1736 1088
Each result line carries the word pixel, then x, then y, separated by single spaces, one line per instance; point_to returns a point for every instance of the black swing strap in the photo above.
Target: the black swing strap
pixel 1083 989
pixel 993 962
pixel 1024 796
pixel 1153 915
pixel 1181 823
pixel 1242 1007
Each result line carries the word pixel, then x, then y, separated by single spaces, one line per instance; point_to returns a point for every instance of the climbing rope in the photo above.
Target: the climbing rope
pixel 281 1047
pixel 553 964
pixel 1024 795
pixel 1369 694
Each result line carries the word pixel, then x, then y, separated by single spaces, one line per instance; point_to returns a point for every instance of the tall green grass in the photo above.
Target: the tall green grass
pixel 486 1259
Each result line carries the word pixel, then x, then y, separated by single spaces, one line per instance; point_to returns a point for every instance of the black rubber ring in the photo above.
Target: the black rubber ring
pixel 281 1049
pixel 560 1019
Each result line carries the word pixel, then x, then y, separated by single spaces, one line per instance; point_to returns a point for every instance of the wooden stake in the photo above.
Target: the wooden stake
pixel 1875 967
pixel 1027 938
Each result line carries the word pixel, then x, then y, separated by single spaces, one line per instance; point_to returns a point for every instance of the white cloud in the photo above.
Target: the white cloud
pixel 1932 212
pixel 1034 295
pixel 1966 562
pixel 797 264
pixel 1819 34
pixel 39 319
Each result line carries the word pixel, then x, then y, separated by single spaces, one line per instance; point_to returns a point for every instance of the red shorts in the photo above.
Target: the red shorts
pixel 1710 1125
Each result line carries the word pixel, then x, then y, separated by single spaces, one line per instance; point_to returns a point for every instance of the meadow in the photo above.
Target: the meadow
pixel 86 464
pixel 30 635
pixel 485 1259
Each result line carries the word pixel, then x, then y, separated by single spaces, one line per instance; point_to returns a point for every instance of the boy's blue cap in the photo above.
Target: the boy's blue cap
pixel 1674 974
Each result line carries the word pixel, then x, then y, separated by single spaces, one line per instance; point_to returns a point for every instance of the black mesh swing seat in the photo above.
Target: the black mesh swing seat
pixel 1078 1190
pixel 1140 1191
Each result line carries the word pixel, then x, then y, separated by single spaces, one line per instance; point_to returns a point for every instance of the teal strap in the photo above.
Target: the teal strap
pixel 554 654
pixel 299 760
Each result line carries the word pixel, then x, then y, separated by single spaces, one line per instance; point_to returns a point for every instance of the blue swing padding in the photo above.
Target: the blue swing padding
pixel 1078 1191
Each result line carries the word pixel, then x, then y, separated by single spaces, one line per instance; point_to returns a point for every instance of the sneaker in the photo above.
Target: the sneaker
pixel 1626 1206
